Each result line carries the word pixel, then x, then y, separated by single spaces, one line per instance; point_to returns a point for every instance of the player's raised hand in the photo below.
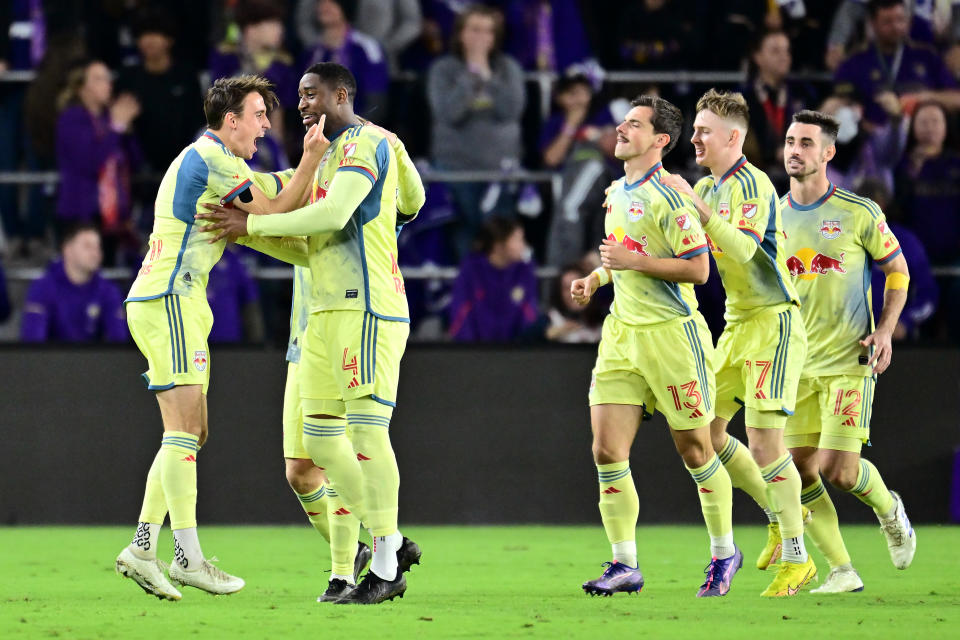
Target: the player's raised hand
pixel 882 343
pixel 314 142
pixel 228 224
pixel 616 256
pixel 678 183
pixel 582 289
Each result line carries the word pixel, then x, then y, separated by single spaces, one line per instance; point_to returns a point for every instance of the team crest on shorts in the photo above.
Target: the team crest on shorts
pixel 200 360
pixel 635 212
pixel 749 210
pixel 830 229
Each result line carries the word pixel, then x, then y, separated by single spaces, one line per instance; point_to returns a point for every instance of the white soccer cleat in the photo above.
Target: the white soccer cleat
pixel 146 573
pixel 206 578
pixel 841 580
pixel 901 538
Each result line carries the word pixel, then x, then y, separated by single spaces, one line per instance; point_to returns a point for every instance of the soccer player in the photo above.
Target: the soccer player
pixel 655 351
pixel 763 346
pixel 832 237
pixel 170 320
pixel 359 321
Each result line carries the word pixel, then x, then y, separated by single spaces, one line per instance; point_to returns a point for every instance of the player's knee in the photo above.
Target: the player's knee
pixel 695 454
pixel 718 440
pixel 303 476
pixel 840 477
pixel 606 453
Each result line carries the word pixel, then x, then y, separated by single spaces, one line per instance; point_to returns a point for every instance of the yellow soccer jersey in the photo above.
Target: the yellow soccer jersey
pixel 180 257
pixel 356 267
pixel 745 198
pixel 653 220
pixel 832 244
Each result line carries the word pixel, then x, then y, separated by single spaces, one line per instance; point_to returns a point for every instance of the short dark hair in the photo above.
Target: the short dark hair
pixel 667 118
pixel 829 126
pixel 155 20
pixel 494 231
pixel 73 230
pixel 567 82
pixel 257 11
pixel 876 6
pixel 349 8
pixel 227 95
pixel 335 76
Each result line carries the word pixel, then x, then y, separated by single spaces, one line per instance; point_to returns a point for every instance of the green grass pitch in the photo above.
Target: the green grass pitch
pixel 474 582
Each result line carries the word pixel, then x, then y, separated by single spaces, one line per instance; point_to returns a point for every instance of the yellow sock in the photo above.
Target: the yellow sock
pixel 871 489
pixel 344 533
pixel 178 475
pixel 325 439
pixel 619 503
pixel 783 496
pixel 314 503
pixel 369 424
pixel 154 508
pixel 743 470
pixel 824 527
pixel 716 497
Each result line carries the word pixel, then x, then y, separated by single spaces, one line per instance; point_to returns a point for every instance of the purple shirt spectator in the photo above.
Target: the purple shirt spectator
pixel 923 295
pixel 229 291
pixel 57 310
pixel 545 36
pixel 95 162
pixel 364 56
pixel 913 68
pixel 4 297
pixel 930 200
pixel 491 304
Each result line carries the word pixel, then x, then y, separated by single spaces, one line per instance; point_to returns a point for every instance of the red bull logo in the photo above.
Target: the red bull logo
pixel 807 264
pixel 724 210
pixel 619 235
pixel 635 211
pixel 830 229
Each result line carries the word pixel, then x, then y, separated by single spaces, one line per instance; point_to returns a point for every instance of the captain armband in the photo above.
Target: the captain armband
pixel 897 280
pixel 602 275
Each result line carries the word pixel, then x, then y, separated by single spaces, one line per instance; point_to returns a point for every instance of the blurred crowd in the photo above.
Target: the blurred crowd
pixel 117 90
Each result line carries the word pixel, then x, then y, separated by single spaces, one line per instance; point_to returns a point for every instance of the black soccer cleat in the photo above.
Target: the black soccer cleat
pixel 361 560
pixel 407 555
pixel 337 589
pixel 374 590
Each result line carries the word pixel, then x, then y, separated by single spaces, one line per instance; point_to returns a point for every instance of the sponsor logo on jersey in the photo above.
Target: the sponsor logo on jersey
pixel 807 264
pixel 683 221
pixel 830 229
pixel 635 212
pixel 749 210
pixel 724 210
pixel 619 235
pixel 200 360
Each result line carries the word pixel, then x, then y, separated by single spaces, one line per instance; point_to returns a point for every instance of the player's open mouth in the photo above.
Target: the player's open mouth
pixel 309 118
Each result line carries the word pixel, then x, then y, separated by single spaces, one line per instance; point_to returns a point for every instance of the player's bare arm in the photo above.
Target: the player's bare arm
pixel 294 193
pixel 582 289
pixel 679 183
pixel 894 297
pixel 617 257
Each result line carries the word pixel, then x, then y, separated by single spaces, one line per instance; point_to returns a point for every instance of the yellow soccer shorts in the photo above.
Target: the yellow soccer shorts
pixel 292 417
pixel 171 332
pixel 833 412
pixel 664 366
pixel 349 355
pixel 758 365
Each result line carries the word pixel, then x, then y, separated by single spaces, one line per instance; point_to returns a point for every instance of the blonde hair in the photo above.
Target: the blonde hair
pixel 76 78
pixel 728 106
